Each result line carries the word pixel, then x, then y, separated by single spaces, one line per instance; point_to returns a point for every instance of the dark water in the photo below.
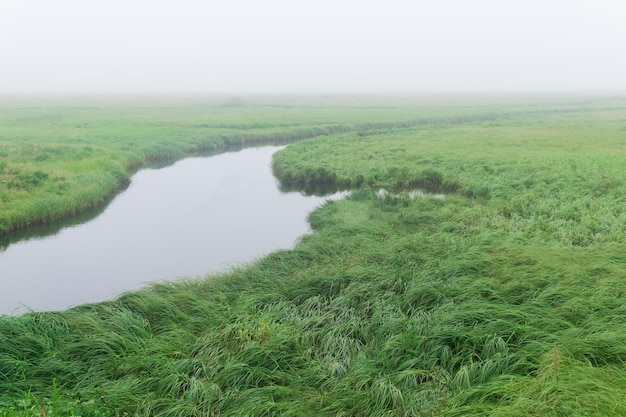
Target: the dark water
pixel 197 216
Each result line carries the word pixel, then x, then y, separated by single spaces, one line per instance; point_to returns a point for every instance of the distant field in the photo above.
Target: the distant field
pixel 58 157
pixel 497 289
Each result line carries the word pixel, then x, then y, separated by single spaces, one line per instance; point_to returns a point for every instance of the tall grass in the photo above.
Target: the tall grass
pixel 503 298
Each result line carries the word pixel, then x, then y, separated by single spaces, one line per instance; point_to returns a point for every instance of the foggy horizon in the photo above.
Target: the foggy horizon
pixel 289 48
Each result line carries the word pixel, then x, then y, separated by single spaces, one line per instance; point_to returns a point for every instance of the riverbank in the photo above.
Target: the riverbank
pixel 503 298
pixel 59 158
pixel 197 216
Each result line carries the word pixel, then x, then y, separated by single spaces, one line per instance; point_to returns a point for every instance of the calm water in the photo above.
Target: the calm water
pixel 197 216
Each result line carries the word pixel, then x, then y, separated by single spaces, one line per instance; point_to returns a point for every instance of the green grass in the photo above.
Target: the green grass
pixel 60 158
pixel 503 298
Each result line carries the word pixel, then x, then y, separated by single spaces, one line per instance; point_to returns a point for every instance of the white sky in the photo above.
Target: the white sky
pixel 312 46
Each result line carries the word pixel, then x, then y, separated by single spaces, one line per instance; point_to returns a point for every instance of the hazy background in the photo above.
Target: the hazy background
pixel 312 46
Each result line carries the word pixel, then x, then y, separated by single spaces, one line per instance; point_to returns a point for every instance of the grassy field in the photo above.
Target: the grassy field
pixel 497 290
pixel 60 157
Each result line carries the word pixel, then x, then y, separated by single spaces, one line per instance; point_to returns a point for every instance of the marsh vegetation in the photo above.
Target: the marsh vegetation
pixel 504 298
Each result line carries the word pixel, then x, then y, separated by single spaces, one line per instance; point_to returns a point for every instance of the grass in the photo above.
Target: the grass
pixel 60 158
pixel 503 298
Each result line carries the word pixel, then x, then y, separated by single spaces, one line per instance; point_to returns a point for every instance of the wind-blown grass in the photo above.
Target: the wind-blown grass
pixel 504 298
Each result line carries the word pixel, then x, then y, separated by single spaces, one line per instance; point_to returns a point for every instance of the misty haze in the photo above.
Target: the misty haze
pixel 314 47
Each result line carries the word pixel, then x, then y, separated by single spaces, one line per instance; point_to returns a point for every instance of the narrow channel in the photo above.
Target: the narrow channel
pixel 195 217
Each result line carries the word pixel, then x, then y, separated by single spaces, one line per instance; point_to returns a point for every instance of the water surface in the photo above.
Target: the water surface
pixel 198 216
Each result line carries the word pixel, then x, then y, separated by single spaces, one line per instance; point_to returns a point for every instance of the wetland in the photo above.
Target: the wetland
pixel 498 291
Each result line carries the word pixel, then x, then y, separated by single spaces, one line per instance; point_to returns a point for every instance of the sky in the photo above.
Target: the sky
pixel 311 46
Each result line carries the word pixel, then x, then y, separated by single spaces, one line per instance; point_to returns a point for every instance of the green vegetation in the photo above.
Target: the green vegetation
pixel 57 159
pixel 503 297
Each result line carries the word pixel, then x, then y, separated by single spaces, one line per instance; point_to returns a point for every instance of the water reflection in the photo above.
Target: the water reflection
pixel 196 216
pixel 321 189
pixel 49 229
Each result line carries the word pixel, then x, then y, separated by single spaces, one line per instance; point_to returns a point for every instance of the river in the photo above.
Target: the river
pixel 192 218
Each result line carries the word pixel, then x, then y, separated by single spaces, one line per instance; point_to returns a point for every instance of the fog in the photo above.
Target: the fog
pixel 311 46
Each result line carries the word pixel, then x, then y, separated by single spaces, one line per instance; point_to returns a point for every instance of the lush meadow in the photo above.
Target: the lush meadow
pixel 497 290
